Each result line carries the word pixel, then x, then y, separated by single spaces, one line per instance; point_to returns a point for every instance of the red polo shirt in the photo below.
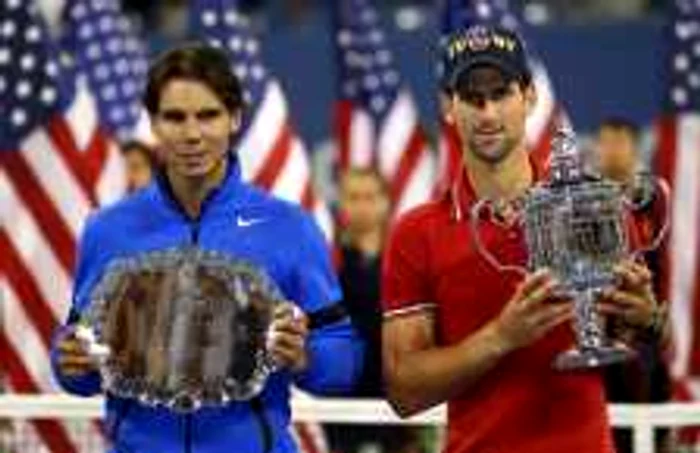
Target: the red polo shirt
pixel 521 405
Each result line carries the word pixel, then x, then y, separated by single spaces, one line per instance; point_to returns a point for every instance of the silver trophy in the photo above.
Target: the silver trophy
pixel 183 328
pixel 576 226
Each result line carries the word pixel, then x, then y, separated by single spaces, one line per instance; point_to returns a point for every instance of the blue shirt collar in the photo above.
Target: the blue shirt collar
pixel 232 187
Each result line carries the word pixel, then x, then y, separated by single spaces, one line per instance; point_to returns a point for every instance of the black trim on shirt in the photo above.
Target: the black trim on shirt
pixel 327 315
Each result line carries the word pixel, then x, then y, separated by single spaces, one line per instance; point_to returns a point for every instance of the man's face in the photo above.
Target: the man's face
pixel 617 153
pixel 490 113
pixel 363 202
pixel 138 170
pixel 193 128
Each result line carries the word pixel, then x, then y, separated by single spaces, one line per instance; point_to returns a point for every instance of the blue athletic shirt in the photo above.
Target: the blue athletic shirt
pixel 244 222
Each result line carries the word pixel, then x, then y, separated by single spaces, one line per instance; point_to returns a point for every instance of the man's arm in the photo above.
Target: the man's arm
pixel 320 349
pixel 420 374
pixel 334 360
pixel 633 303
pixel 333 351
pixel 75 371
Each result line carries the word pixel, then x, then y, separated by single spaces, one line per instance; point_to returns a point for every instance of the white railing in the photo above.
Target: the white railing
pixel 641 418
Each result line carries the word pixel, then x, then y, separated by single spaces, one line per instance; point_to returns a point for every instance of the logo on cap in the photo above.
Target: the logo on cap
pixel 479 39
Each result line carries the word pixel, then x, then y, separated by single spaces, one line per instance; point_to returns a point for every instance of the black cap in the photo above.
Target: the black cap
pixel 481 45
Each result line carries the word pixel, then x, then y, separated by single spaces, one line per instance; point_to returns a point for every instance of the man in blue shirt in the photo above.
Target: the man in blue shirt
pixel 199 200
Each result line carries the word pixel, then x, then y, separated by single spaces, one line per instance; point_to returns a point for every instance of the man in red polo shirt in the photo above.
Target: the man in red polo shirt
pixel 458 331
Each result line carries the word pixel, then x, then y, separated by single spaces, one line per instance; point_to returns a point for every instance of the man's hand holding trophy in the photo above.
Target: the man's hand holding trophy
pixel 529 315
pixel 75 356
pixel 286 341
pixel 581 255
pixel 185 329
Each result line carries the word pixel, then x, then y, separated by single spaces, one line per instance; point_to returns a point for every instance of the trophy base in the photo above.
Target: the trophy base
pixel 576 359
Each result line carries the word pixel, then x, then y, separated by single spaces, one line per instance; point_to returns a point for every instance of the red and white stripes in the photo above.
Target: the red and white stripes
pixel 678 161
pixel 62 171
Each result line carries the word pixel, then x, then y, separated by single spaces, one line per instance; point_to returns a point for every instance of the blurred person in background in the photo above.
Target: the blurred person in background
pixel 364 210
pixel 458 330
pixel 645 378
pixel 618 157
pixel 618 152
pixel 139 162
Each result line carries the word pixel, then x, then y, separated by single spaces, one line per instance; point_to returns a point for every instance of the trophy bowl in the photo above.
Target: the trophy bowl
pixel 579 231
pixel 183 328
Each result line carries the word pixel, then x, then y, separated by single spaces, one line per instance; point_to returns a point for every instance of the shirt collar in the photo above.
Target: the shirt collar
pixel 462 196
pixel 229 188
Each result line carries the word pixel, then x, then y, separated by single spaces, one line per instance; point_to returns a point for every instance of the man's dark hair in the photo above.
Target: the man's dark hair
pixel 139 147
pixel 619 123
pixel 368 172
pixel 197 62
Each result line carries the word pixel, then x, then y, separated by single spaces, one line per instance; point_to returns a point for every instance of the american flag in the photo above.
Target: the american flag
pixel 678 161
pixel 459 14
pixel 376 119
pixel 271 153
pixel 56 166
pixel 107 48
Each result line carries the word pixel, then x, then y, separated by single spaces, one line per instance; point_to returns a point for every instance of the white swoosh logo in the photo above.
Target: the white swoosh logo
pixel 244 223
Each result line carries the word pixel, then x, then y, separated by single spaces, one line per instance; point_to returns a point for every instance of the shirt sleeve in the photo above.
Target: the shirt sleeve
pixel 334 349
pixel 314 283
pixel 406 284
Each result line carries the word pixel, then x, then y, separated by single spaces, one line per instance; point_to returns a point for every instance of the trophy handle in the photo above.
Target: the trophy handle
pixel 663 188
pixel 475 215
